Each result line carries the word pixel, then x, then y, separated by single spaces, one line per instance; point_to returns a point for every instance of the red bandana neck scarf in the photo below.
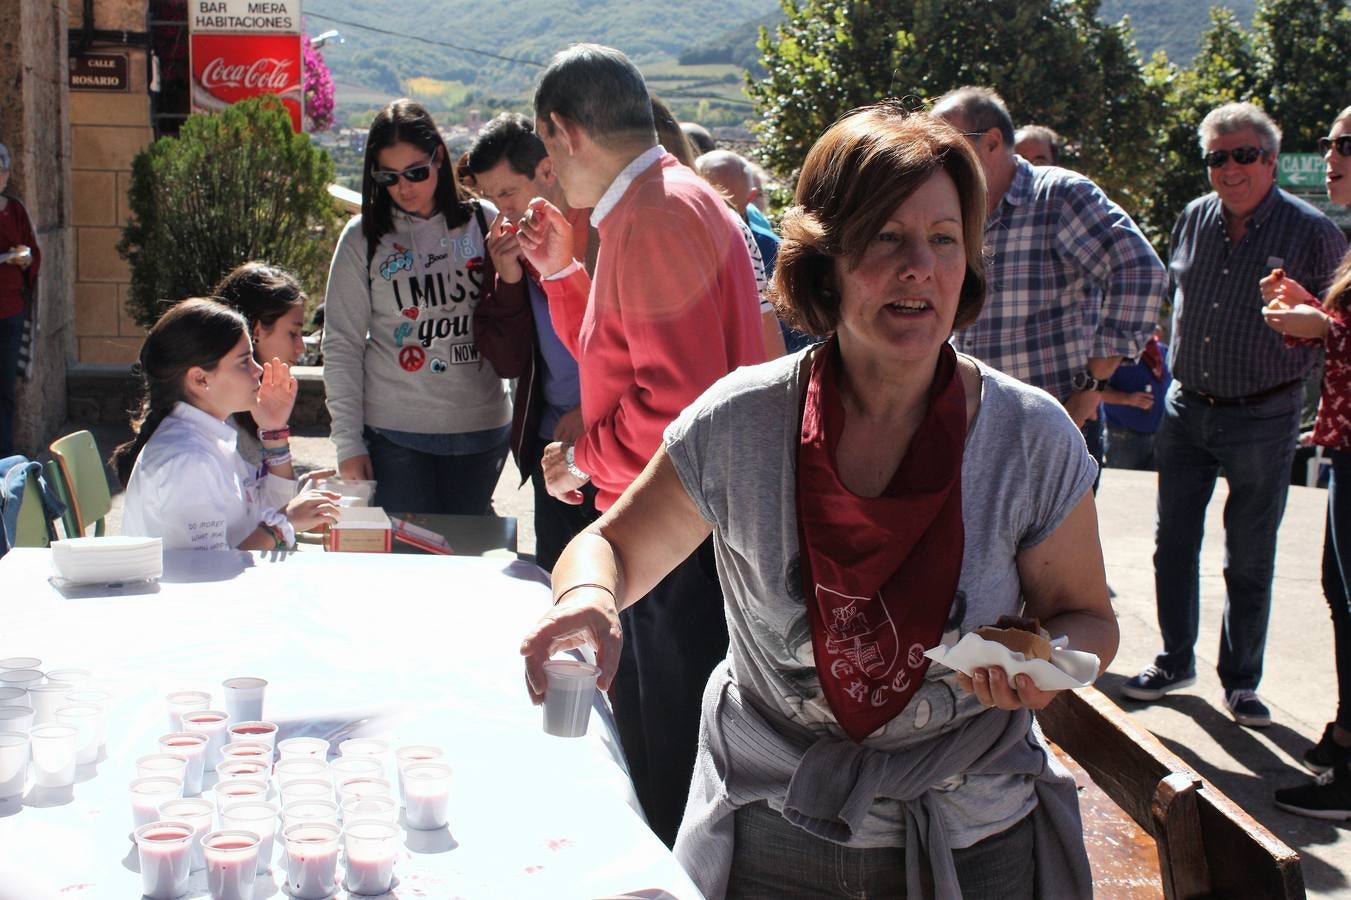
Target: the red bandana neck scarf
pixel 879 574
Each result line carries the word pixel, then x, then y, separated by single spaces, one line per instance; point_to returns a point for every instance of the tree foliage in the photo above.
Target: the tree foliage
pixel 1131 125
pixel 232 186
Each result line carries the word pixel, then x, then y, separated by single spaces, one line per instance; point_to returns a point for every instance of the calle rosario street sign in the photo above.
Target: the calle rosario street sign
pixel 243 48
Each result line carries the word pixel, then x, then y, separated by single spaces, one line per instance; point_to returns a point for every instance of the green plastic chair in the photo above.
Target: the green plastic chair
pixel 32 527
pixel 85 482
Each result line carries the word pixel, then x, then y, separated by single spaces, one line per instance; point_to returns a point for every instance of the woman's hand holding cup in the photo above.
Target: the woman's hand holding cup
pixel 585 615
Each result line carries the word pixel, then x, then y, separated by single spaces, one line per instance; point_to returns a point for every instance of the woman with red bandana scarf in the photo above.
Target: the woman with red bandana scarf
pixel 869 498
pixel 1296 313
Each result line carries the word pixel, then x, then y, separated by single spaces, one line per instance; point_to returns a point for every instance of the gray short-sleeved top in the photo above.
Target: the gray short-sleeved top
pixel 1025 468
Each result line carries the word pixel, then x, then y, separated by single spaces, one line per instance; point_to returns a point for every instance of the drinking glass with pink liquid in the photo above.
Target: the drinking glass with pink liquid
pixel 426 795
pixel 164 849
pixel 372 847
pixel 212 723
pixel 191 746
pixel 231 864
pixel 311 860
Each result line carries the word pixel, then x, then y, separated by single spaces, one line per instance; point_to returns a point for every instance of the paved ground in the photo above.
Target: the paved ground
pixel 1299 681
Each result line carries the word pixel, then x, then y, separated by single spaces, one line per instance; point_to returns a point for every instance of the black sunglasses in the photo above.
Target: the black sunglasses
pixel 1244 156
pixel 1343 145
pixel 413 174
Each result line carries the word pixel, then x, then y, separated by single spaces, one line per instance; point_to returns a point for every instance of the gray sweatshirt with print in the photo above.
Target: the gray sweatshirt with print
pixel 399 349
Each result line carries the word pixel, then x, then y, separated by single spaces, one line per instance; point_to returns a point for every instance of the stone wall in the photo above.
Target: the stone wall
pixel 34 122
pixel 108 130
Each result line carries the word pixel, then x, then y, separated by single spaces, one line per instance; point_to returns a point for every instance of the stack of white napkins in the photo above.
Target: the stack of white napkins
pixel 103 560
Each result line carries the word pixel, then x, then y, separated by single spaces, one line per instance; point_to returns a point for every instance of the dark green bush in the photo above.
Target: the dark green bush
pixel 232 186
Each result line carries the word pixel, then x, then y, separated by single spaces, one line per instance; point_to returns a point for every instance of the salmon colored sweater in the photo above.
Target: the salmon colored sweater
pixel 673 307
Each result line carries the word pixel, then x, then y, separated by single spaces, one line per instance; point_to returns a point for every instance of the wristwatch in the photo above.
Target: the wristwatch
pixel 571 463
pixel 1084 381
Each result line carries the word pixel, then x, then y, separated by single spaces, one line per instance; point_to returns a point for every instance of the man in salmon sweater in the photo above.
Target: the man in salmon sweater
pixel 672 308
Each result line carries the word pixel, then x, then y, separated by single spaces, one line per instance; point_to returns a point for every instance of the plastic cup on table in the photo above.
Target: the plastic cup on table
pixel 414 754
pixel 20 678
pixel 46 699
pixel 426 795
pixel 372 747
pixel 228 769
pixel 371 846
pixel 13 696
pixel 231 864
pixel 237 790
pixel 568 696
pixel 181 702
pixel 86 719
pixel 253 751
pixel 53 749
pixel 16 718
pixel 306 789
pixel 311 860
pixel 355 809
pixel 71 678
pixel 93 697
pixel 299 767
pixel 253 730
pixel 10 663
pixel 315 810
pixel 13 763
pixel 244 698
pixel 258 817
pixel 364 786
pixel 346 767
pixel 149 794
pixel 170 765
pixel 303 748
pixel 212 723
pixel 197 813
pixel 165 851
pixel 192 746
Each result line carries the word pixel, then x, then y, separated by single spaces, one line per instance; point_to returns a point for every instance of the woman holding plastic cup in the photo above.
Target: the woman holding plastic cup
pixel 1294 311
pixel 867 497
pixel 185 483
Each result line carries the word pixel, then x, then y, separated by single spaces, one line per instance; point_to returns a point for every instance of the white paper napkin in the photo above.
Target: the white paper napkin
pixel 1068 669
pixel 101 560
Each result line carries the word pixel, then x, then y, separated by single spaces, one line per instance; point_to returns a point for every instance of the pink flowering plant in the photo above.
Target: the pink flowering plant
pixel 318 88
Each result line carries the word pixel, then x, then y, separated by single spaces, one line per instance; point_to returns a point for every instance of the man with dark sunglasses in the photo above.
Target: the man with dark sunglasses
pixel 1235 403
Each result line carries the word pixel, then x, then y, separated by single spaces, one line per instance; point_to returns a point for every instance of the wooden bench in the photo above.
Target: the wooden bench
pixel 1205 845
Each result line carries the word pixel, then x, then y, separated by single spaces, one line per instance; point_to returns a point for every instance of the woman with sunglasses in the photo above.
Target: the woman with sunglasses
pixel 1295 312
pixel 413 405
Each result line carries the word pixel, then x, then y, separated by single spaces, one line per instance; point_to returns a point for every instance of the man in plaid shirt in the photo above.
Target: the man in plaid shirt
pixel 1074 285
pixel 1235 403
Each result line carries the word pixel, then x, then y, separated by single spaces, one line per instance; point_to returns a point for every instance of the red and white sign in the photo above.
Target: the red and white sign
pixel 227 68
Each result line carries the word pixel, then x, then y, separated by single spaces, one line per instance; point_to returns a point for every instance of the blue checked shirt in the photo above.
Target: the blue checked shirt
pixel 1071 278
pixel 1220 345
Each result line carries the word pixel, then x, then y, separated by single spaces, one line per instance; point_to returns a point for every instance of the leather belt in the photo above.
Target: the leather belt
pixel 1210 400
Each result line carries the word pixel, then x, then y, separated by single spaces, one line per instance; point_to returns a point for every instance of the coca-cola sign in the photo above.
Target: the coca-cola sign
pixel 227 68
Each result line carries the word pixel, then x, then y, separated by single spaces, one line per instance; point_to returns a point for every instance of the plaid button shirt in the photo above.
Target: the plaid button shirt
pixel 1071 278
pixel 1220 345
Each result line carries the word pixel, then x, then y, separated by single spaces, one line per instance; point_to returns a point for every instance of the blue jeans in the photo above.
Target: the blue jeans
pixel 411 481
pixel 1128 449
pixel 774 859
pixel 11 335
pixel 1337 576
pixel 1253 445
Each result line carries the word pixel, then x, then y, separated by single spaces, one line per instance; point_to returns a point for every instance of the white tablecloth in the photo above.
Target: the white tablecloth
pixel 411 649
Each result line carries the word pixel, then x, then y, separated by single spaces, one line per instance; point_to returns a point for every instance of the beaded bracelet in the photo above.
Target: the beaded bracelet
pixel 276 451
pixel 280 434
pixel 276 462
pixel 278 539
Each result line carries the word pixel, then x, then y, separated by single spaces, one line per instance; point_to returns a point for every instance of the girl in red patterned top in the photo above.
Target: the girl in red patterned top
pixel 1296 313
pixel 19 262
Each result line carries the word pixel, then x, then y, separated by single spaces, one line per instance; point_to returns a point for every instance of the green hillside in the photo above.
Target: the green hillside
pixel 426 48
